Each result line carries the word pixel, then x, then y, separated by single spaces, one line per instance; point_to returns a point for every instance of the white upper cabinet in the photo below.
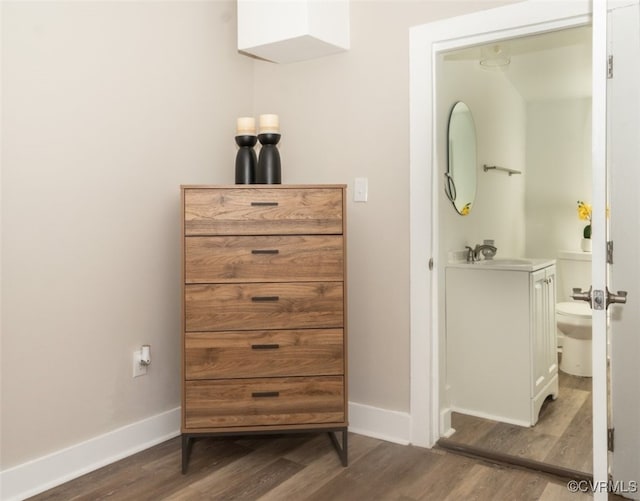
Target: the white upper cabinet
pixel 287 31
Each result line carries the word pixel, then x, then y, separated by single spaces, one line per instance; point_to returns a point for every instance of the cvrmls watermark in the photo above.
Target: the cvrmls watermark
pixel 617 486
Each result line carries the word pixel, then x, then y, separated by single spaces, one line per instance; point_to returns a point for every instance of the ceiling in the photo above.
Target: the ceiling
pixel 554 65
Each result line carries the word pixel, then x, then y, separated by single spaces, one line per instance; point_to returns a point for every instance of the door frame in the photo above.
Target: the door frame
pixel 426 41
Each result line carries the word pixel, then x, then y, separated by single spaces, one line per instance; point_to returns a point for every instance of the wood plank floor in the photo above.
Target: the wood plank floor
pixel 306 467
pixel 562 437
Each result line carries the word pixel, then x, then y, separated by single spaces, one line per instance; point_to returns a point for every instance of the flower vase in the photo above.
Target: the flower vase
pixel 585 245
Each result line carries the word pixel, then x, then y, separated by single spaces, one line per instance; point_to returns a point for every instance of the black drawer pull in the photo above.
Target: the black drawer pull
pixel 265 251
pixel 265 394
pixel 265 346
pixel 264 204
pixel 265 298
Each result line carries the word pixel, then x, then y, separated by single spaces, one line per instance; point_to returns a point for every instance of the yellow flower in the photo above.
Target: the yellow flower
pixel 584 211
pixel 465 210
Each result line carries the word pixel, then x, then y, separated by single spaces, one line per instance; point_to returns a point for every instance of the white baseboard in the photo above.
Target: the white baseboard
pixel 392 426
pixel 491 417
pixel 33 477
pixel 446 430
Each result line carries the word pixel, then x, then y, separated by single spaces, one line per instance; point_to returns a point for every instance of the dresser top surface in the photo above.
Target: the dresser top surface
pixel 258 186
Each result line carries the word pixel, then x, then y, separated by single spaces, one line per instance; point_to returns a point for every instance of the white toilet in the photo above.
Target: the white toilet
pixel 574 317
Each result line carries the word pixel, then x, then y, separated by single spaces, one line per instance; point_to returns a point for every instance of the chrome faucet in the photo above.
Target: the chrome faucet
pixel 473 255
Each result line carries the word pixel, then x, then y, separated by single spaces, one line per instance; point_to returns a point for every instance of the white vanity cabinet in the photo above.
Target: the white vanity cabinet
pixel 501 340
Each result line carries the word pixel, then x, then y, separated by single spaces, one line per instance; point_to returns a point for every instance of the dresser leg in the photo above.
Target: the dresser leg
pixel 187 442
pixel 343 451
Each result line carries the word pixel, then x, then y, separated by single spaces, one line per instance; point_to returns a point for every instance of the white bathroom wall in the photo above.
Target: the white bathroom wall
pixel 558 174
pixel 499 114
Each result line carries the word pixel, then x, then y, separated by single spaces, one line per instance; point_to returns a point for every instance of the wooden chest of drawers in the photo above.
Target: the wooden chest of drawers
pixel 264 332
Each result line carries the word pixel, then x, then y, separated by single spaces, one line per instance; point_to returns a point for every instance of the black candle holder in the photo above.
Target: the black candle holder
pixel 268 171
pixel 246 160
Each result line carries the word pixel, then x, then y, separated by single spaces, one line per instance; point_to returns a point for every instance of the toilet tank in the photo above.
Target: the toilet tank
pixel 574 270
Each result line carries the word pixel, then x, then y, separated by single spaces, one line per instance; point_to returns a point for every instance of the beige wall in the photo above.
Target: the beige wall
pixel 107 108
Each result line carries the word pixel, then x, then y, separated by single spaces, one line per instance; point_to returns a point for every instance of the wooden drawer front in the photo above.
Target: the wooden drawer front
pixel 270 401
pixel 308 352
pixel 292 305
pixel 259 211
pixel 264 259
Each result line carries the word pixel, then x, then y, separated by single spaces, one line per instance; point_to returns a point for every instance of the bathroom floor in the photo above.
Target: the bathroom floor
pixel 562 436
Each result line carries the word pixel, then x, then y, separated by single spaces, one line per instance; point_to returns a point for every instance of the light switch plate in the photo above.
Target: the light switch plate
pixel 361 189
pixel 138 368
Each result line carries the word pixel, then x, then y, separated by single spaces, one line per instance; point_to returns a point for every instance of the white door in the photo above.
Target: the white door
pixel 616 158
pixel 616 121
pixel 624 174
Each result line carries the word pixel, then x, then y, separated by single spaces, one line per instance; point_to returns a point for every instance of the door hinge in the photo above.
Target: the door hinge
pixel 610 66
pixel 610 433
pixel 610 252
pixel 430 264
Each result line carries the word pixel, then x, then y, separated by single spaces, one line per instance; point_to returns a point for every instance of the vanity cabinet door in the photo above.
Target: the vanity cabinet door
pixel 543 329
pixel 552 333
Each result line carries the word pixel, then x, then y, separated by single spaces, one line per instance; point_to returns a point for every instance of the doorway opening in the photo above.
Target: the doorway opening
pixel 531 102
pixel 428 161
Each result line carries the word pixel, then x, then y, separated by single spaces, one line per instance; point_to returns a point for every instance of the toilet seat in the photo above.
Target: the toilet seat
pixel 579 309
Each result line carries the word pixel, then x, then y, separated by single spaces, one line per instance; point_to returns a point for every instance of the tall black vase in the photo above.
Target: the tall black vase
pixel 269 171
pixel 246 160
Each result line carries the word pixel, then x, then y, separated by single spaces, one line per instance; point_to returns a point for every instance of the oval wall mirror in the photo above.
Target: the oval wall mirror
pixel 460 178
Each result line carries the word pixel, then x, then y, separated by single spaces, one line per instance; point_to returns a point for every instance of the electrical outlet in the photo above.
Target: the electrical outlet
pixel 138 368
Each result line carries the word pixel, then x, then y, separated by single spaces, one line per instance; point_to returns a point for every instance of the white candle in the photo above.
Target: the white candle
pixel 269 124
pixel 246 126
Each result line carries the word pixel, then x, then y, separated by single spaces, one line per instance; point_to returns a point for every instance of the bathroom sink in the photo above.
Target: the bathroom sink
pixel 505 262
